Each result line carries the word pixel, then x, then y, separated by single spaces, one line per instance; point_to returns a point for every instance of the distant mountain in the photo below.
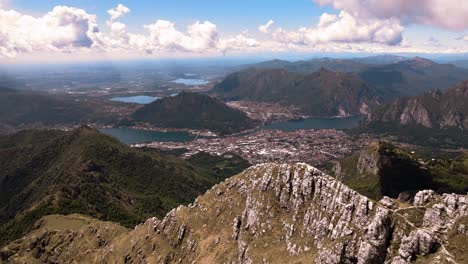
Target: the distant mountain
pixel 460 63
pixel 23 107
pixel 312 65
pixel 382 169
pixel 438 118
pixel 394 76
pixel 381 59
pixel 412 77
pixel 82 171
pixel 193 111
pixel 323 93
pixel 270 213
pixel 438 109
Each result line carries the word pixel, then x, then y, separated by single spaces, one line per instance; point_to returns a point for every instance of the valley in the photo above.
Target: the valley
pixel 269 162
pixel 311 146
pixel 234 132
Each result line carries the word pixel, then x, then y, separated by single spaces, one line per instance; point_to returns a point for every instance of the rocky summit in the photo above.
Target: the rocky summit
pixel 270 213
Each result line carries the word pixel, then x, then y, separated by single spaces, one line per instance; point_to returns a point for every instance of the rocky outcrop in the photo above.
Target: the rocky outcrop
pixel 283 213
pixel 432 110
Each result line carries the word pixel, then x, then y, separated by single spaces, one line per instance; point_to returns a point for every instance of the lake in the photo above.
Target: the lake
pixel 134 136
pixel 190 82
pixel 137 99
pixel 317 123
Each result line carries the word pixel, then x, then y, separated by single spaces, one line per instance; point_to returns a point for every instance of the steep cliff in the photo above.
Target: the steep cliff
pixel 270 213
pixel 383 169
pixel 432 110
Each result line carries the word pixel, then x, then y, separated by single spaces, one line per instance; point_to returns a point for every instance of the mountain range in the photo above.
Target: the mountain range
pixel 322 93
pixel 194 111
pixel 270 213
pixel 435 118
pixel 437 109
pixel 320 88
pixel 412 77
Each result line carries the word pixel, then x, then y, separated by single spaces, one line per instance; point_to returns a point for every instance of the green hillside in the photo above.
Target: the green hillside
pixel 412 77
pixel 323 93
pixel 21 107
pixel 193 111
pixel 83 171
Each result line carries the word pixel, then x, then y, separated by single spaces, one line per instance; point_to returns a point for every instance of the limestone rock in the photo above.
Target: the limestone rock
pixel 270 213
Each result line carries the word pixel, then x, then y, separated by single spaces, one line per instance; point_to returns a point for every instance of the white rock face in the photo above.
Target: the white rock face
pixel 322 210
pixel 281 213
pixel 424 197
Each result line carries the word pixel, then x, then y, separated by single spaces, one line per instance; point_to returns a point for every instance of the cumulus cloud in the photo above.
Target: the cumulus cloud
pixel 63 28
pixel 199 37
pixel 344 28
pixel 117 12
pixel 451 14
pixel 266 28
pixel 69 29
pixel 238 42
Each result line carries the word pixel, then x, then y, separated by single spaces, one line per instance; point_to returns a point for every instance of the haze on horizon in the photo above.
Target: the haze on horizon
pixel 83 30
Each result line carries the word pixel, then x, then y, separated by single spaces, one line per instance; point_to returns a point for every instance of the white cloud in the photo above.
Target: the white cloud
pixel 117 12
pixel 63 28
pixel 451 14
pixel 200 37
pixel 238 42
pixel 266 28
pixel 344 28
pixel 74 31
pixel 69 29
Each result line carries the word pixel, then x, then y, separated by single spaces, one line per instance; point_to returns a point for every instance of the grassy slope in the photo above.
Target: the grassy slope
pixel 50 172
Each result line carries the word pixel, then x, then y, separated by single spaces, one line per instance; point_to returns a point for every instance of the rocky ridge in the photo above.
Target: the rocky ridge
pixel 432 110
pixel 274 213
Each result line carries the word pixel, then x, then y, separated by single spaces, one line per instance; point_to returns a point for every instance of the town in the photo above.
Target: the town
pixel 312 146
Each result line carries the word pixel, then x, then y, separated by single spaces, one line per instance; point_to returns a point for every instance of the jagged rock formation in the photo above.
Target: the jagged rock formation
pixel 272 213
pixel 432 110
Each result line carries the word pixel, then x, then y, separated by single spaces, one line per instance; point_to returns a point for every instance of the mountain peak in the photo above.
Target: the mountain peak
pixel 422 61
pixel 193 111
pixel 271 213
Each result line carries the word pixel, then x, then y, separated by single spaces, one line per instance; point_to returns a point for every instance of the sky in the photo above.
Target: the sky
pixel 76 30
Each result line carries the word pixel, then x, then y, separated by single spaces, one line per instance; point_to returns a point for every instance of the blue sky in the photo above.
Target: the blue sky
pixel 82 29
pixel 235 15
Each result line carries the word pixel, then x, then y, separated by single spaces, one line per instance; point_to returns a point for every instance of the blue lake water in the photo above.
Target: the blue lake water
pixel 134 136
pixel 137 99
pixel 190 82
